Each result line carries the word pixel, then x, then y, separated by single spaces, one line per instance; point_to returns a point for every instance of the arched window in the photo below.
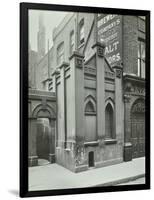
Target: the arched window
pixel 60 53
pixel 109 122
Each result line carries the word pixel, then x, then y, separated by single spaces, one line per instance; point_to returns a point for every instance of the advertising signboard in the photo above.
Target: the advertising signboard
pixel 110 31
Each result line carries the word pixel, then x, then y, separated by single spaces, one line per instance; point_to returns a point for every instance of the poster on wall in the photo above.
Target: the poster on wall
pixel 83 99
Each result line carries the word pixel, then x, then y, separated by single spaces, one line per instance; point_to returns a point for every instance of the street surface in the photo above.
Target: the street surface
pixel 54 176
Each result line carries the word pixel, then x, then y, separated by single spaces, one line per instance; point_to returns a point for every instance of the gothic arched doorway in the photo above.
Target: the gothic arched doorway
pixel 138 128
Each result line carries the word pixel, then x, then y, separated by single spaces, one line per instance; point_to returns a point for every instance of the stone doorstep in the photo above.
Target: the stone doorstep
pixel 42 162
pixel 120 181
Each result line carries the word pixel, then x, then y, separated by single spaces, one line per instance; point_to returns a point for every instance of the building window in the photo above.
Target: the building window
pixel 81 32
pixel 72 42
pixel 60 53
pixel 109 122
pixel 141 58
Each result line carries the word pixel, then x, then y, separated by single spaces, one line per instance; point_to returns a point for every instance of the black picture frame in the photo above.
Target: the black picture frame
pixel 24 7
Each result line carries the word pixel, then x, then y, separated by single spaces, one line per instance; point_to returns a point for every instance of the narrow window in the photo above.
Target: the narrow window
pixel 60 53
pixel 72 42
pixel 109 122
pixel 141 58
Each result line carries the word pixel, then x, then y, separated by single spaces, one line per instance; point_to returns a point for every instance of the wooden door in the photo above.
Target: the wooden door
pixel 138 134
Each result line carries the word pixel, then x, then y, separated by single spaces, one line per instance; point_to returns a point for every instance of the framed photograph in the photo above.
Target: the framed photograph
pixel 84 99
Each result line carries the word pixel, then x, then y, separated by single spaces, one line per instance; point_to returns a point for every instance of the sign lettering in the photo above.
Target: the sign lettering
pixel 110 31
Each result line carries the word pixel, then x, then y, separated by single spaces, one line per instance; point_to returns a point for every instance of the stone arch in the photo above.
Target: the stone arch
pixel 109 101
pixel 44 111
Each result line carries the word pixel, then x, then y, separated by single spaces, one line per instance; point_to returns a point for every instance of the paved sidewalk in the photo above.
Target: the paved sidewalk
pixel 54 176
pixel 134 182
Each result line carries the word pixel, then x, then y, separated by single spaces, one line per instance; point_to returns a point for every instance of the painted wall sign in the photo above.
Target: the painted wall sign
pixel 110 31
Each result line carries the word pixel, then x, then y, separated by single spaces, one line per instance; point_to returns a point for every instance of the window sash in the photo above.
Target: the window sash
pixel 141 59
pixel 60 54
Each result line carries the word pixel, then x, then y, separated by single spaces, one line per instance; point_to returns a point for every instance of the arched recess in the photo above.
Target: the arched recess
pixel 109 120
pixel 90 119
pixel 45 134
pixel 44 111
pixel 138 127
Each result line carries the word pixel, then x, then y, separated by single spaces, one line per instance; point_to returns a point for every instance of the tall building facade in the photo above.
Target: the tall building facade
pixel 99 86
pixel 32 66
pixel 41 38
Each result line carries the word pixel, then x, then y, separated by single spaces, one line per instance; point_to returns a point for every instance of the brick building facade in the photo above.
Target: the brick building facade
pixel 97 74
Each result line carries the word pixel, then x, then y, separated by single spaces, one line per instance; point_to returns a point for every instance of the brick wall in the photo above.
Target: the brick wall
pixel 130 45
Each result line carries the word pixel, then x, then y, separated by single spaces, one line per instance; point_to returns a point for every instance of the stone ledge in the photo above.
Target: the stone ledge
pixel 92 143
pixel 110 141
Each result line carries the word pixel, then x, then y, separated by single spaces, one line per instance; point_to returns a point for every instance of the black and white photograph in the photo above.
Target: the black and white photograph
pixel 87 99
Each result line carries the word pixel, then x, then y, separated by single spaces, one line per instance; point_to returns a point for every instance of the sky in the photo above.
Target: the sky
pixel 51 20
